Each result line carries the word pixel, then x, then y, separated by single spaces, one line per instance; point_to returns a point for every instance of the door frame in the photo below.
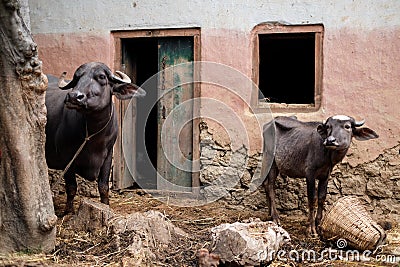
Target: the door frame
pixel 119 166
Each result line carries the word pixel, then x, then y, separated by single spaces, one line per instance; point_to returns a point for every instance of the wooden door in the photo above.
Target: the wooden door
pixel 175 114
pixel 122 177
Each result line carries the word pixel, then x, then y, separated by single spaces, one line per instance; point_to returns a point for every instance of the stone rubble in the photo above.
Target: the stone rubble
pixel 248 243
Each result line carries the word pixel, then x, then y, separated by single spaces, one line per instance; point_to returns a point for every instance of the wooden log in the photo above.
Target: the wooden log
pixel 151 224
pixel 91 216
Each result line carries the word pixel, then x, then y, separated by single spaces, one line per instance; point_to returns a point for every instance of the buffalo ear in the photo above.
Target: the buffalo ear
pixel 322 130
pixel 362 134
pixel 127 90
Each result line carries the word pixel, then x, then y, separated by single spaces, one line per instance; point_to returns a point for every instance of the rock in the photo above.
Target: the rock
pixel 394 162
pixel 392 246
pixel 238 159
pixel 237 196
pixel 286 200
pixel 246 179
pixel 354 185
pixel 207 154
pixel 211 192
pixel 372 170
pixel 248 244
pixel 226 177
pixel 396 189
pixel 379 187
pixel 389 205
pixel 255 200
pixel 334 186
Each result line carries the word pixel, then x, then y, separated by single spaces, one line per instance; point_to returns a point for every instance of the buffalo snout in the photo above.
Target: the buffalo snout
pixel 75 99
pixel 331 142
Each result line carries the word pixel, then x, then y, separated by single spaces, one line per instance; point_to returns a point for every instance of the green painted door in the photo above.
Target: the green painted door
pixel 175 113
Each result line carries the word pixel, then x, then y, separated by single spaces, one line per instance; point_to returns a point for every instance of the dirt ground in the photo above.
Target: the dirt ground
pixel 75 248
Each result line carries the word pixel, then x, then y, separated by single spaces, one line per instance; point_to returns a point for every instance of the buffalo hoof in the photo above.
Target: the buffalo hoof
pixel 276 220
pixel 105 201
pixel 68 211
pixel 312 232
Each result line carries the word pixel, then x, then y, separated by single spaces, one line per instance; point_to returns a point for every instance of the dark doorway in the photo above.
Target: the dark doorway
pixel 156 163
pixel 141 55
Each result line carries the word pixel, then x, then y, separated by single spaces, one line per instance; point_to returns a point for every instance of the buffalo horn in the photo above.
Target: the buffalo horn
pixel 122 77
pixel 359 123
pixel 61 81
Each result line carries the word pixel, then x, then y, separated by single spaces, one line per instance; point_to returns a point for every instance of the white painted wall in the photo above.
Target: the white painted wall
pixel 56 16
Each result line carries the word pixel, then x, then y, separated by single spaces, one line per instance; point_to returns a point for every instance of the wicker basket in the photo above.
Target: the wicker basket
pixel 349 220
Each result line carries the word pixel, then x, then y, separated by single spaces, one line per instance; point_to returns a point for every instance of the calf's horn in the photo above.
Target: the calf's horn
pixel 61 80
pixel 359 123
pixel 122 77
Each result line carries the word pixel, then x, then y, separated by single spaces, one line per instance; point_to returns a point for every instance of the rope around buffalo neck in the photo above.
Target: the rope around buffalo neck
pixel 87 138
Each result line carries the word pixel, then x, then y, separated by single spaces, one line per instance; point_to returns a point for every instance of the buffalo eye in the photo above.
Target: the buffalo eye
pixel 102 79
pixel 347 126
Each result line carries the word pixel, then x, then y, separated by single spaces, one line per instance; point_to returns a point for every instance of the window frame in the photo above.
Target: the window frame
pixel 274 28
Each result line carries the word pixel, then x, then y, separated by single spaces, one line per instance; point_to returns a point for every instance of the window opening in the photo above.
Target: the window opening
pixel 287 67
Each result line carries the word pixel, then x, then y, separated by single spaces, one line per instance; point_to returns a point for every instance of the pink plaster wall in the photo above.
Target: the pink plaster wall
pixel 233 49
pixel 361 77
pixel 67 51
pixel 229 47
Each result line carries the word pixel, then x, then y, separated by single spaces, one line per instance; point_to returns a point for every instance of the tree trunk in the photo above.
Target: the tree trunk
pixel 27 219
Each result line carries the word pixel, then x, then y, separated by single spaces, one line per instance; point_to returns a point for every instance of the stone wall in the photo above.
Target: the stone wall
pixel 377 182
pixel 228 174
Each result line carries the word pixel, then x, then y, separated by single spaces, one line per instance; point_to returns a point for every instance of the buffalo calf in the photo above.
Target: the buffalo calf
pixel 310 150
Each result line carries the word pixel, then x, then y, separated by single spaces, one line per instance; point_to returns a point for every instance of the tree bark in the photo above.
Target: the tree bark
pixel 27 219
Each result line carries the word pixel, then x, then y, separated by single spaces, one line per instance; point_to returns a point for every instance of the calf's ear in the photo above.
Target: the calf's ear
pixel 322 130
pixel 362 134
pixel 127 90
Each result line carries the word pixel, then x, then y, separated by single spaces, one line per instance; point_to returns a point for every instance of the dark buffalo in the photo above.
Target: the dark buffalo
pixel 83 110
pixel 310 150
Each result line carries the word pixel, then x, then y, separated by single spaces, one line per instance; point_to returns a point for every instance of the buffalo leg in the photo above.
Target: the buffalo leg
pixel 322 190
pixel 312 201
pixel 70 188
pixel 269 186
pixel 103 179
